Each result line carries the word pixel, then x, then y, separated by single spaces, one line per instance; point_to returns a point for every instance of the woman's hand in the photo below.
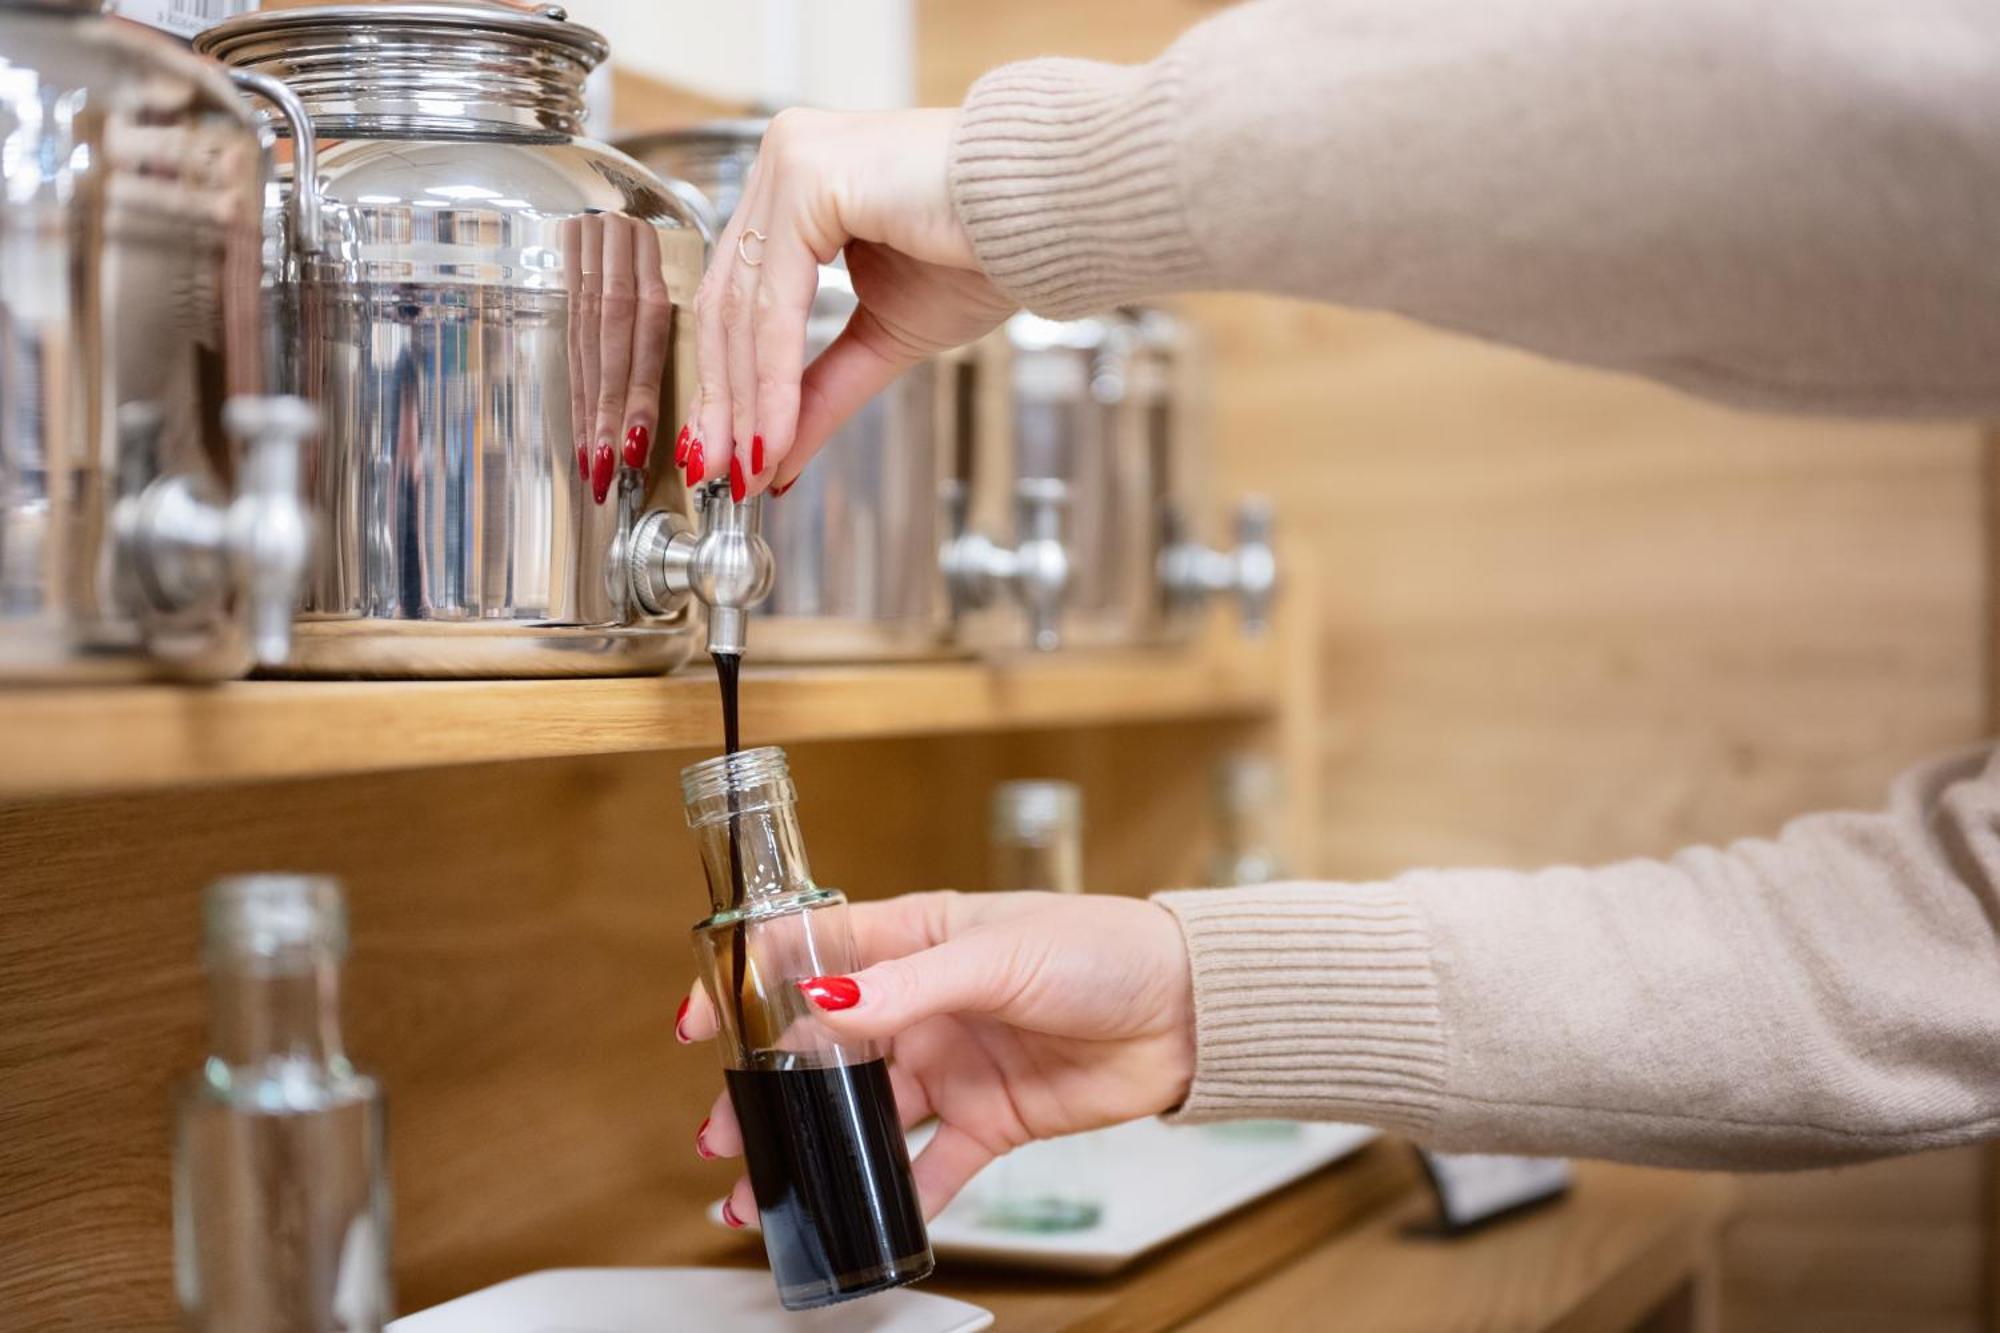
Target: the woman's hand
pixel 1008 1016
pixel 877 185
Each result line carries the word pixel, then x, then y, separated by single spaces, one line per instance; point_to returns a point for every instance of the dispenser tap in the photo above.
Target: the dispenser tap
pixel 724 564
pixel 1191 572
pixel 187 548
pixel 1036 569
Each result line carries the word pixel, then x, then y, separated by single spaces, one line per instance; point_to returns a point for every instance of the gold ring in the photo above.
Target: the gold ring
pixel 744 254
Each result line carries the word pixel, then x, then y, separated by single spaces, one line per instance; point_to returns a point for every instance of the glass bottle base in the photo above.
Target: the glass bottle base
pixel 852 1286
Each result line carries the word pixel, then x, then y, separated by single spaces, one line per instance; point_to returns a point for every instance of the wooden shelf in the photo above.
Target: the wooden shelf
pixel 69 741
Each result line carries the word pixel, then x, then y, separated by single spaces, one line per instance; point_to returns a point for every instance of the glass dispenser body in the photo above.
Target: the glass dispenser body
pixel 281 1193
pixel 822 1138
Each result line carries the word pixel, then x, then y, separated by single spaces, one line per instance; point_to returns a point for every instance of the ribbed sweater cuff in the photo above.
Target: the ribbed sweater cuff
pixel 1066 175
pixel 1312 1002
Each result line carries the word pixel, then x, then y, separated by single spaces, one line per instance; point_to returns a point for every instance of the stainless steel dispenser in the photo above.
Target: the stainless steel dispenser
pixel 1166 388
pixel 855 541
pixel 486 279
pixel 149 515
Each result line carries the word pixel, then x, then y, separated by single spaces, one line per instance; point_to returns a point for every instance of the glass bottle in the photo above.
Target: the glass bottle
pixel 1250 820
pixel 281 1190
pixel 821 1136
pixel 1037 843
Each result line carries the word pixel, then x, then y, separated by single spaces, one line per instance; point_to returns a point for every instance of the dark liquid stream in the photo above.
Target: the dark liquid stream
pixel 831 1173
pixel 728 673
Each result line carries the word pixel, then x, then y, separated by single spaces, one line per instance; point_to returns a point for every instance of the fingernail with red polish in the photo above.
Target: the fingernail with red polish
pixel 694 463
pixel 701 1144
pixel 601 469
pixel 756 455
pixel 638 443
pixel 680 1017
pixel 831 993
pixel 681 447
pixel 737 485
pixel 780 490
pixel 582 461
pixel 729 1217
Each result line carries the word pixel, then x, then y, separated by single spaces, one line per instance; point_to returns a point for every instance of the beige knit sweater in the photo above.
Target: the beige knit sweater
pixel 1792 203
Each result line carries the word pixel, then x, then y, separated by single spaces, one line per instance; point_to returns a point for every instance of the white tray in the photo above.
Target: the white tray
pixel 679 1300
pixel 1158 1182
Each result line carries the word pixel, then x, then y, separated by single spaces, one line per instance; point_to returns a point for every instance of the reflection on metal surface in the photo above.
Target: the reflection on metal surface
pixel 494 302
pixel 130 315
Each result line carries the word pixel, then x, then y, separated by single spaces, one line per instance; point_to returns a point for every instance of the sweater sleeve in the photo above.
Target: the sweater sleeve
pixel 1826 996
pixel 1784 204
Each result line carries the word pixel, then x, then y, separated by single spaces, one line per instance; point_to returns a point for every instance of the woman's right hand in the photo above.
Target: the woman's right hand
pixel 876 186
pixel 1008 1016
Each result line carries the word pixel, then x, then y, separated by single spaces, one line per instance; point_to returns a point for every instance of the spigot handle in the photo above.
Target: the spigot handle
pixel 1041 557
pixel 1256 562
pixel 303 208
pixel 270 529
pixel 724 563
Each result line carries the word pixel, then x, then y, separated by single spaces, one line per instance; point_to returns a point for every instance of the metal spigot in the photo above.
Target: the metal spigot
pixel 1036 569
pixel 724 564
pixel 187 547
pixel 1191 573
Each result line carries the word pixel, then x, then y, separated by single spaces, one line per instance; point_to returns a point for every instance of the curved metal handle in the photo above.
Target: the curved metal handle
pixel 706 220
pixel 304 205
pixel 1036 569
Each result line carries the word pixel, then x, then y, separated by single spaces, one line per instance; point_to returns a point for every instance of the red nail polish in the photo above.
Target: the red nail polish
pixel 601 469
pixel 694 463
pixel 638 443
pixel 736 483
pixel 831 993
pixel 780 490
pixel 729 1217
pixel 680 1017
pixel 681 447
pixel 701 1143
pixel 582 461
pixel 756 455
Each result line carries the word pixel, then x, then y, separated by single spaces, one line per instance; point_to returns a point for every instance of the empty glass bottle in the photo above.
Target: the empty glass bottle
pixel 281 1192
pixel 821 1136
pixel 1250 820
pixel 1037 843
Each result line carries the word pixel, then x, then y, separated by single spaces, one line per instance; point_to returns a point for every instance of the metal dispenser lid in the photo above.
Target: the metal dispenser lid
pixel 421 70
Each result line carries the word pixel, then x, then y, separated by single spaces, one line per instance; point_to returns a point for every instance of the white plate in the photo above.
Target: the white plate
pixel 1158 1182
pixel 678 1300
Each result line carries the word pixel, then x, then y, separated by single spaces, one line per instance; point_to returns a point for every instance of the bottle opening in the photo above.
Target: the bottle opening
pixel 761 772
pixel 274 919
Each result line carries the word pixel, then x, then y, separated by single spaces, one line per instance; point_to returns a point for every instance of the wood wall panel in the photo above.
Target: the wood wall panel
pixel 1568 616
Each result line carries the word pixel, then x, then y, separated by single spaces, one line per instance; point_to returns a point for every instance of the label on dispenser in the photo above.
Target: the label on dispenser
pixel 182 18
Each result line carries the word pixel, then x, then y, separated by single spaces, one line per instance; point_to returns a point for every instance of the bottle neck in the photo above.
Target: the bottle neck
pixel 1249 848
pixel 766 857
pixel 261 1014
pixel 1053 863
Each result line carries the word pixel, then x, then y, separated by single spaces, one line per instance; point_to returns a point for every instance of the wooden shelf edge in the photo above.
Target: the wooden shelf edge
pixel 65 742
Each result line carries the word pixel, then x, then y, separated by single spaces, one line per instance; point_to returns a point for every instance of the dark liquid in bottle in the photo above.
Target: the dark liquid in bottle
pixel 832 1178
